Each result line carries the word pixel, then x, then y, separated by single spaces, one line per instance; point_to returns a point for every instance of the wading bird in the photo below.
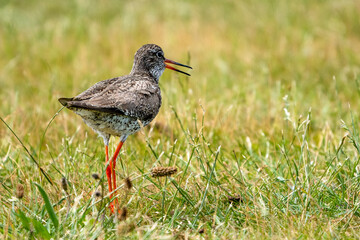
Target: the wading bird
pixel 121 106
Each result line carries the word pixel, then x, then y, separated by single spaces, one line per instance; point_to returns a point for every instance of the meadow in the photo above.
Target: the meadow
pixel 264 134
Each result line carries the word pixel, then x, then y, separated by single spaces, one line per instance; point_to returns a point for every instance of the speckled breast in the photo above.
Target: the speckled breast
pixel 113 124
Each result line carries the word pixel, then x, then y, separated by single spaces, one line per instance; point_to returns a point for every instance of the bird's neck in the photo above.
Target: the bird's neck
pixel 154 74
pixel 143 73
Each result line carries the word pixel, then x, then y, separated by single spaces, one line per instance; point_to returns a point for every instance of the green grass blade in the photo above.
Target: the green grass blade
pixel 24 220
pixel 185 195
pixel 28 152
pixel 48 206
pixel 47 126
pixel 207 186
pixel 40 230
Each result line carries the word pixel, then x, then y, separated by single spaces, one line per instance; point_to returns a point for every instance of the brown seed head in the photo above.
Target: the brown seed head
pixel 97 194
pixel 163 171
pixel 123 214
pixel 64 184
pixel 95 176
pixel 235 199
pixel 19 191
pixel 128 183
pixel 125 227
pixel 122 228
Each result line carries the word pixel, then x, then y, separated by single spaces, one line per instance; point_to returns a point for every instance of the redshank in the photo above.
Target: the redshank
pixel 121 106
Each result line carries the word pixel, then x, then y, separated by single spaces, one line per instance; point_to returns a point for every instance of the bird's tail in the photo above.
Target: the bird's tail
pixel 64 101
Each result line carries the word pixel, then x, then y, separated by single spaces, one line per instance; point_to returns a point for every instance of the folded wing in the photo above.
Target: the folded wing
pixel 139 99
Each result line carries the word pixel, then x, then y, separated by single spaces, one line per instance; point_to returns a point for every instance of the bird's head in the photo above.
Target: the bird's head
pixel 150 59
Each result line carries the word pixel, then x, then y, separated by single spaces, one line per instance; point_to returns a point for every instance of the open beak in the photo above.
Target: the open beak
pixel 176 63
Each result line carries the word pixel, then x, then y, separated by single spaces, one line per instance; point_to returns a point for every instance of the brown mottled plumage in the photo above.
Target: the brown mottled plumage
pixel 121 106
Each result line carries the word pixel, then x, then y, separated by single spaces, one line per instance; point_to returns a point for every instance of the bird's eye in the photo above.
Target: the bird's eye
pixel 160 55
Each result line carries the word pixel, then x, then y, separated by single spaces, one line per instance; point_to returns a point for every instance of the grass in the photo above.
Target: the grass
pixel 264 134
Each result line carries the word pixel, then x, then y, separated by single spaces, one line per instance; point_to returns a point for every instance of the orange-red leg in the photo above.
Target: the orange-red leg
pixel 108 174
pixel 113 164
